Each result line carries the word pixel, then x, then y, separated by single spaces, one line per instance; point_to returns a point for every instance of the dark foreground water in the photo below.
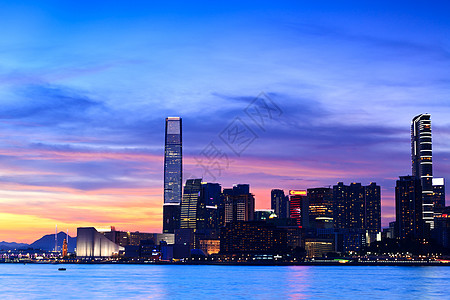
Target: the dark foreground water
pixel 33 281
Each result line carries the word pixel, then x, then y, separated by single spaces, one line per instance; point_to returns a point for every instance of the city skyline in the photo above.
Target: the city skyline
pixel 83 110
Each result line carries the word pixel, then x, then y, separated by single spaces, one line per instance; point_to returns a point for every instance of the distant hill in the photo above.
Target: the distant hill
pixel 11 246
pixel 47 242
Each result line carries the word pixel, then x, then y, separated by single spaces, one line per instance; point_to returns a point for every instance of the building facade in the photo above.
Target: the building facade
pixel 408 208
pixel 173 174
pixel 357 207
pixel 299 207
pixel 239 203
pixel 279 203
pixel 422 163
pixel 320 207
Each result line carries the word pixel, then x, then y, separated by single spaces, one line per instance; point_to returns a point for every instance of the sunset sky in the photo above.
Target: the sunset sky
pixel 85 87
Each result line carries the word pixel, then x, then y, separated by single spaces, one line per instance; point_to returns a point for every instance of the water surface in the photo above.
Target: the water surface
pixel 39 281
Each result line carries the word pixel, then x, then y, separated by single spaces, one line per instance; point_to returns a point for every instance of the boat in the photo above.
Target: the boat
pixel 61 269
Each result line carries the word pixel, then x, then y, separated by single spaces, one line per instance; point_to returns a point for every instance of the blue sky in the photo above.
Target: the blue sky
pixel 85 88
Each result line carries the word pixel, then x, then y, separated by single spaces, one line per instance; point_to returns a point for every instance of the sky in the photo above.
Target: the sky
pixel 85 88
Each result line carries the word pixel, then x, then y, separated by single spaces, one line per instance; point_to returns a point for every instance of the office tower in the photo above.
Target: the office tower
pixel 212 195
pixel 192 206
pixel 320 207
pixel 372 200
pixel 173 168
pixel 199 207
pixel 438 194
pixel 357 207
pixel 299 207
pixel 422 163
pixel 279 203
pixel 408 208
pixel 239 203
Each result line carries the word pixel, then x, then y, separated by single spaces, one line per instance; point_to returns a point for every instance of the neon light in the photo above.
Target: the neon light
pixel 297 192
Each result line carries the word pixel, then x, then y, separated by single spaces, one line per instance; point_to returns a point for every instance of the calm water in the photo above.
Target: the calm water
pixel 32 281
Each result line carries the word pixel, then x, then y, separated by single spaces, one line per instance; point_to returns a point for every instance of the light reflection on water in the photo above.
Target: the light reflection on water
pixel 33 281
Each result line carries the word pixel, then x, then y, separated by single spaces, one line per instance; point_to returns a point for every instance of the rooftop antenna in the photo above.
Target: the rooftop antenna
pixel 56 238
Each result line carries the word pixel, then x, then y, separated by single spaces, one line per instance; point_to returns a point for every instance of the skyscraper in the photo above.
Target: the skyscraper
pixel 357 207
pixel 422 163
pixel 173 174
pixel 299 207
pixel 192 206
pixel 320 207
pixel 239 203
pixel 279 203
pixel 438 194
pixel 408 208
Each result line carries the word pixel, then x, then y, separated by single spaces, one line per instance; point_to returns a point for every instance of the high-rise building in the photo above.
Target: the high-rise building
pixel 357 207
pixel 199 207
pixel 192 206
pixel 372 202
pixel 422 163
pixel 408 208
pixel 239 203
pixel 438 194
pixel 299 207
pixel 173 174
pixel 320 207
pixel 279 203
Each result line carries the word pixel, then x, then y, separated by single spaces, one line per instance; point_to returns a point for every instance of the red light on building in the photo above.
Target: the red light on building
pixel 297 192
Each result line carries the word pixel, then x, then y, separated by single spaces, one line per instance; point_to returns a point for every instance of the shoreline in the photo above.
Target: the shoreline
pixel 315 263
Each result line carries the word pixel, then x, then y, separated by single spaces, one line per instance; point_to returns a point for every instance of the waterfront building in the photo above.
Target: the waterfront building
pixel 357 207
pixel 422 163
pixel 192 208
pixel 239 203
pixel 173 174
pixel 91 243
pixel 408 208
pixel 320 207
pixel 299 207
pixel 279 203
pixel 317 247
pixel 438 194
pixel 255 237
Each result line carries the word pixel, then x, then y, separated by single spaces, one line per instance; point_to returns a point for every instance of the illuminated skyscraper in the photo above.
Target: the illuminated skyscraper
pixel 422 163
pixel 320 207
pixel 191 206
pixel 357 207
pixel 438 194
pixel 173 175
pixel 299 207
pixel 408 208
pixel 279 203
pixel 239 203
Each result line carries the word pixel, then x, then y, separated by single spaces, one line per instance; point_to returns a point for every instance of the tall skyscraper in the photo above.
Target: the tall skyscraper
pixel 199 207
pixel 357 207
pixel 408 208
pixel 192 206
pixel 279 203
pixel 372 201
pixel 173 174
pixel 422 163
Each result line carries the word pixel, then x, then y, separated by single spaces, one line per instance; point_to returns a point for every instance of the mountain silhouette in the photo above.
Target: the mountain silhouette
pixel 47 242
pixel 11 246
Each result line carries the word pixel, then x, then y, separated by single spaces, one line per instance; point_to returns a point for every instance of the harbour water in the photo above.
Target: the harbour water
pixel 44 281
